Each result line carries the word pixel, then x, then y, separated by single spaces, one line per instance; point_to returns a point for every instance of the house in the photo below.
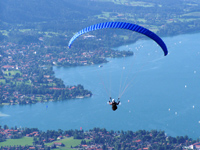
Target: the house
pixel 8 67
pixel 195 146
pixel 60 137
pixel 58 144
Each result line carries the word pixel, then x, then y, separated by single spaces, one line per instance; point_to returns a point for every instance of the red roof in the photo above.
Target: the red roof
pixel 8 66
pixel 197 143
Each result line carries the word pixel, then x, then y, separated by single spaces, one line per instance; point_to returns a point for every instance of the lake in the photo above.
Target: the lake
pixel 157 92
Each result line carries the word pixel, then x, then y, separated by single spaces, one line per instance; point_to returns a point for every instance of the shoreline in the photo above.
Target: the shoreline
pixel 45 101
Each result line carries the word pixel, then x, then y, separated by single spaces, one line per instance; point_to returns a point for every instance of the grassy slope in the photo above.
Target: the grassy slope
pixel 23 141
pixel 68 142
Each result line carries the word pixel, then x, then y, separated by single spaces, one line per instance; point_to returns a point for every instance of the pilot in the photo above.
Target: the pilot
pixel 114 104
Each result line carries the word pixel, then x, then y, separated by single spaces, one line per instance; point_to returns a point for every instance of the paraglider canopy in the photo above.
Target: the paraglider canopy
pixel 122 25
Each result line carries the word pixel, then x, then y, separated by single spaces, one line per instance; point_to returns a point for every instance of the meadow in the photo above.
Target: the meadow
pixel 22 141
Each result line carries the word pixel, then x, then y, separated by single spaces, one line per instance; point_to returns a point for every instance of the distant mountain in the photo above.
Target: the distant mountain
pixel 21 11
pixel 165 17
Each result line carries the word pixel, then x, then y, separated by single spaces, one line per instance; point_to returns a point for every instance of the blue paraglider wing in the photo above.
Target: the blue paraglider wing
pixel 122 25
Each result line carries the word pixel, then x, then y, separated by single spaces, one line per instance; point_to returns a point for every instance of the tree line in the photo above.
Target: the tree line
pixel 153 139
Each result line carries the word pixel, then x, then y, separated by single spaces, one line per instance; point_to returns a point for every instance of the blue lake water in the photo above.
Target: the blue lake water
pixel 158 92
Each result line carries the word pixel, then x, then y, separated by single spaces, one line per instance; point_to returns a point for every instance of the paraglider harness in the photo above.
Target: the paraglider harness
pixel 114 104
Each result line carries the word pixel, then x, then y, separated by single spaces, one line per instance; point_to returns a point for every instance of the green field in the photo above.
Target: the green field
pixel 130 3
pixel 141 20
pixel 143 4
pixel 106 15
pixel 192 14
pixel 4 32
pixel 2 81
pixel 68 142
pixel 49 34
pixel 124 37
pixel 24 30
pixel 23 141
pixel 14 72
